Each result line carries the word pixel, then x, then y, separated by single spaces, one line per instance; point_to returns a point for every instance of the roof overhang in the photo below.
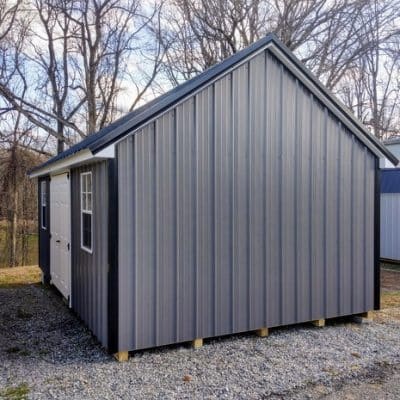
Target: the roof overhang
pixel 84 156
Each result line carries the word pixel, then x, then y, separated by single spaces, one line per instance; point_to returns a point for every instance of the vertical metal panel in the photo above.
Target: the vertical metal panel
pixel 303 203
pixel 247 205
pixel 332 208
pixel 358 251
pixel 256 182
pixel 390 227
pixel 204 212
pixel 287 242
pixel 273 190
pixel 143 242
pixel 223 206
pixel 185 223
pixel 345 213
pixel 166 227
pixel 240 171
pixel 317 198
pixel 89 272
pixel 112 248
pixel 126 256
pixel 369 232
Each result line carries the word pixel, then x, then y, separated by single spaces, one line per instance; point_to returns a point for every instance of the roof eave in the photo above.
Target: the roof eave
pixel 84 156
pixel 62 164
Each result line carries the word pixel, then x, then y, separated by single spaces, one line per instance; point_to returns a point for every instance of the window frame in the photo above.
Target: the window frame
pixel 43 204
pixel 82 178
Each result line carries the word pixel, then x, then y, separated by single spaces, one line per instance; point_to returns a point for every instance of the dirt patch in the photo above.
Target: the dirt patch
pixel 390 280
pixel 390 296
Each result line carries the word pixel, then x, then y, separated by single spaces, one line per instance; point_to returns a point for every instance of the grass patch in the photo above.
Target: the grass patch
pixel 390 299
pixel 17 276
pixel 391 267
pixel 19 392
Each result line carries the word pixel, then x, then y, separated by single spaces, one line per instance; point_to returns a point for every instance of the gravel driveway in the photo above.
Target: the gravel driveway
pixel 46 352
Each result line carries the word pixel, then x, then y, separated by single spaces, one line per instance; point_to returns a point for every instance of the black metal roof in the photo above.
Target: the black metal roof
pixel 133 120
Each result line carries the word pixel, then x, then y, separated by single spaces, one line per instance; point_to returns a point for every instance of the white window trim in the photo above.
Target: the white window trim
pixel 43 184
pixel 82 211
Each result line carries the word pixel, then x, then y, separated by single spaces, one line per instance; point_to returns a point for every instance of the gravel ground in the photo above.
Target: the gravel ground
pixel 44 347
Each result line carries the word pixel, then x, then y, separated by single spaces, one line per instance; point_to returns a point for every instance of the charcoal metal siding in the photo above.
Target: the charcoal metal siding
pixel 44 234
pixel 90 271
pixel 390 180
pixel 247 205
pixel 390 226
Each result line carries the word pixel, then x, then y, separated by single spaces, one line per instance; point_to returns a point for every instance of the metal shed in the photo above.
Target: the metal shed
pixel 390 215
pixel 244 199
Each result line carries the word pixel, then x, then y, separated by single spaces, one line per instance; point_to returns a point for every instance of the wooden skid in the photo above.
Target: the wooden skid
pixel 197 343
pixel 262 332
pixel 320 323
pixel 121 356
pixel 366 315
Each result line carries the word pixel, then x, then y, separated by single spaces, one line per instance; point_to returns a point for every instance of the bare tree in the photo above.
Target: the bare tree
pixel 370 84
pixel 337 39
pixel 103 38
pixel 79 55
pixel 8 15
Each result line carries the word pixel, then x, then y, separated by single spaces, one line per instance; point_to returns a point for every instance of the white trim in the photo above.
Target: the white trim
pixel 385 163
pixel 84 156
pixel 64 164
pixel 107 152
pixel 86 210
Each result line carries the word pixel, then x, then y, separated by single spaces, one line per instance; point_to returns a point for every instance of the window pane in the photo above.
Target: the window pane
pixel 89 202
pixel 87 230
pixel 43 192
pixel 89 183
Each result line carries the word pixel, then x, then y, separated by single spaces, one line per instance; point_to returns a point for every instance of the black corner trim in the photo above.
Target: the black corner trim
pixel 377 236
pixel 44 235
pixel 113 256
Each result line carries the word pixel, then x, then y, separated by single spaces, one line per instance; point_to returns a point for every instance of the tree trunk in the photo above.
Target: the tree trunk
pixel 14 229
pixel 13 214
pixel 60 142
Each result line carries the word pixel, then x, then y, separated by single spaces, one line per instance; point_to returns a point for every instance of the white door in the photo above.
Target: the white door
pixel 60 229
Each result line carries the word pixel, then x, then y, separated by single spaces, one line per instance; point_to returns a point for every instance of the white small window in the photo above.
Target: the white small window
pixel 86 211
pixel 43 204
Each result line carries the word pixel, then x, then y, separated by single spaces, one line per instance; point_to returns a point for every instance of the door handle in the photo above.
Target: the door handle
pixel 58 241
